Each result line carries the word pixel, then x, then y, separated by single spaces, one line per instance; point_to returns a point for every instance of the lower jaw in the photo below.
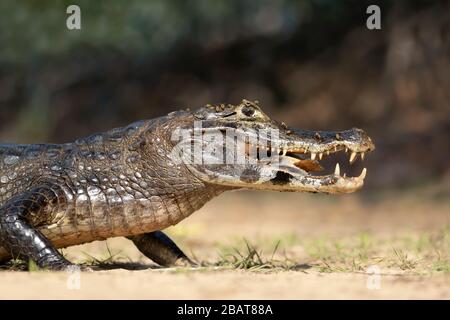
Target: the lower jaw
pixel 329 184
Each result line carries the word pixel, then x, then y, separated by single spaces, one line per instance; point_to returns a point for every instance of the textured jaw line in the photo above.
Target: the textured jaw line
pixel 335 183
pixel 297 179
pixel 318 151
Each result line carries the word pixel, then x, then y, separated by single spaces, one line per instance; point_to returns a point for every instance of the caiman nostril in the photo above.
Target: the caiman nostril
pixel 318 137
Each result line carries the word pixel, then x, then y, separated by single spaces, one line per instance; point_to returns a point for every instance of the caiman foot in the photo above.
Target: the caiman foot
pixel 64 265
pixel 161 249
pixel 55 263
pixel 184 262
pixel 18 234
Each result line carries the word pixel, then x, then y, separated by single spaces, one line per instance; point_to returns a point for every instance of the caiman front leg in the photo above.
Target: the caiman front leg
pixel 161 249
pixel 18 218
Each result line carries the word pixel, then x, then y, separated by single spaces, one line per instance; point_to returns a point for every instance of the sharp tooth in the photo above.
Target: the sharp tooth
pixel 320 155
pixel 346 149
pixel 352 157
pixel 363 174
pixel 335 148
pixel 345 175
pixel 362 155
pixel 328 153
pixel 284 152
pixel 337 170
pixel 313 156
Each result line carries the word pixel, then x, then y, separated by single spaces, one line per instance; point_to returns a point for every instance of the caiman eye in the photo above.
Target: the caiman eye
pixel 248 111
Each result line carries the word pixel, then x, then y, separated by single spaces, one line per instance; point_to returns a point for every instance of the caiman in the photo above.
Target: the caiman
pixel 135 181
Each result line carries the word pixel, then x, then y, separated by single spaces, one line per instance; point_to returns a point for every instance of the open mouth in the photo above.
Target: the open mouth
pixel 312 162
pixel 306 168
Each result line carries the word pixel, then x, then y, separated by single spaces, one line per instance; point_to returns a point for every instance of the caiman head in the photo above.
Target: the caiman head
pixel 240 146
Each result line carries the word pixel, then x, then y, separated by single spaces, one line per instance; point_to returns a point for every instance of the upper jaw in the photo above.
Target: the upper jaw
pixel 316 142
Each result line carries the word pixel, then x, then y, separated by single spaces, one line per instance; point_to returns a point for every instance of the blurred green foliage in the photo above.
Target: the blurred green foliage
pixel 32 29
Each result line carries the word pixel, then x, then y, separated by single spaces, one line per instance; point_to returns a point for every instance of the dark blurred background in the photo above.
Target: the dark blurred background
pixel 310 63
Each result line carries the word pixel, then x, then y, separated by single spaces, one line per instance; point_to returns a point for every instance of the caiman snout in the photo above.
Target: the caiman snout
pixel 328 141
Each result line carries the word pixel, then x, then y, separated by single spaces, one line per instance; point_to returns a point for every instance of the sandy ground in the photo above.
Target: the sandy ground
pixel 149 284
pixel 265 218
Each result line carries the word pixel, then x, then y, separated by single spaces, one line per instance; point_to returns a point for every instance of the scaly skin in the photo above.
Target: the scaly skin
pixel 119 183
